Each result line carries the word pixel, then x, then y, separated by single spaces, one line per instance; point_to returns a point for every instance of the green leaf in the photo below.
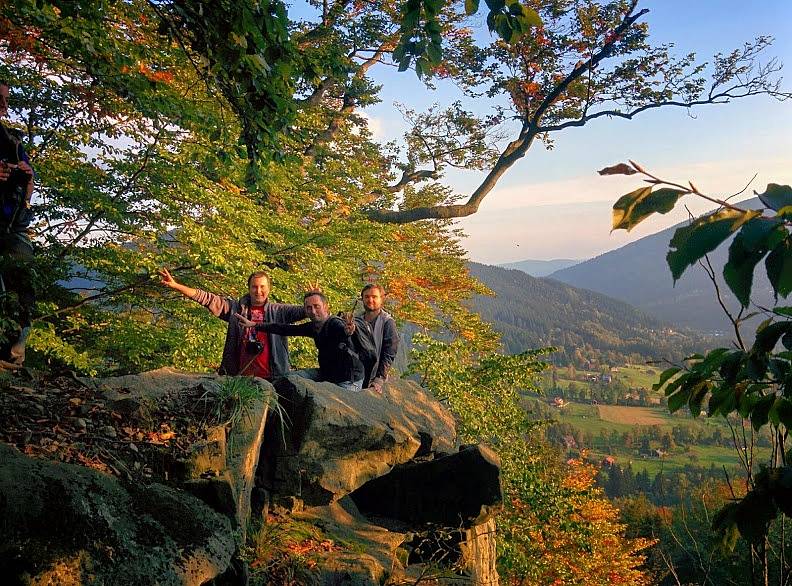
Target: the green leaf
pixel 767 337
pixel 678 399
pixel 664 377
pixel 782 489
pixel 661 201
pixel 433 7
pixel 724 523
pixel 531 17
pixel 760 413
pixel 779 268
pixel 405 63
pixel 622 209
pixel 723 400
pixel 434 53
pixel 398 52
pixel 754 514
pixel 471 6
pixel 495 5
pixel 697 397
pixel 750 245
pixel 410 20
pixel 783 412
pixel 785 311
pixel 712 361
pixel 503 27
pixel 705 234
pixel 731 364
pixel 776 196
pixel 746 404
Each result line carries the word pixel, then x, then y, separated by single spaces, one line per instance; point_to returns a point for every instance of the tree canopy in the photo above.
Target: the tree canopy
pixel 272 66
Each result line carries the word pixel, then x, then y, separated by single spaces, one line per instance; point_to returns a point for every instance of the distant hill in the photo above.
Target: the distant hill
pixel 541 268
pixel 531 312
pixel 638 274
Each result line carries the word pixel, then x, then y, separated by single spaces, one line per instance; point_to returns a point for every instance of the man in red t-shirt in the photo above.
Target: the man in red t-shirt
pixel 247 351
pixel 254 357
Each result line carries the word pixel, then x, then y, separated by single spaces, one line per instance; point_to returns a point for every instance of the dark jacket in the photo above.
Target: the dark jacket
pixel 386 338
pixel 338 361
pixel 226 307
pixel 15 215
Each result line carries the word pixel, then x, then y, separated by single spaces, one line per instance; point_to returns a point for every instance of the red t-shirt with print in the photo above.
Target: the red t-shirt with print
pixel 250 362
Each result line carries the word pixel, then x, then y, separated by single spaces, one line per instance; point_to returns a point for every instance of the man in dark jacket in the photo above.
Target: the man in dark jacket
pixel 382 328
pixel 339 363
pixel 247 351
pixel 16 250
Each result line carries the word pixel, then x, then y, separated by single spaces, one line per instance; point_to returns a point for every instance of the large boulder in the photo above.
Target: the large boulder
pixel 219 469
pixel 339 440
pixel 66 524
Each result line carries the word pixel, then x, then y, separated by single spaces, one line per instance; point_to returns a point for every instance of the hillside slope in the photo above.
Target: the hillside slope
pixel 532 312
pixel 638 274
pixel 541 268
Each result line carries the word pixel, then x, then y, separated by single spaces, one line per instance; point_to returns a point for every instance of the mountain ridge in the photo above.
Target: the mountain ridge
pixel 587 326
pixel 540 268
pixel 637 273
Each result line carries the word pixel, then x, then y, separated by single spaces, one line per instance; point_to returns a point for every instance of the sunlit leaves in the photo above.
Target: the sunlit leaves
pixel 420 44
pixel 636 206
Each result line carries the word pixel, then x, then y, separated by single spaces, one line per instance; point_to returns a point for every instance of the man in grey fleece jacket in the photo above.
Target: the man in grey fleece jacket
pixel 247 351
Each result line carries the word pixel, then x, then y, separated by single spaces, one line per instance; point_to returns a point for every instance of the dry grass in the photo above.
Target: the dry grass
pixel 630 415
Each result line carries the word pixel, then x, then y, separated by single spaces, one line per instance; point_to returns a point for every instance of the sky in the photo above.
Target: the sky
pixel 552 204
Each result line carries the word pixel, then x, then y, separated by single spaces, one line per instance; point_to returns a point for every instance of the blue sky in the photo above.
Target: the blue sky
pixel 554 205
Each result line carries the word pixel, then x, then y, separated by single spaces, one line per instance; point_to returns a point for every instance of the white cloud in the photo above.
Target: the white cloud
pixel 375 125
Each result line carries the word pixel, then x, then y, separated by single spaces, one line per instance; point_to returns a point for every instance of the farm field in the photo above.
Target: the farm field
pixel 631 415
pixel 596 419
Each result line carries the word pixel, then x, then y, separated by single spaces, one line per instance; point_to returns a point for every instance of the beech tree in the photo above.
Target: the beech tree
pixel 559 63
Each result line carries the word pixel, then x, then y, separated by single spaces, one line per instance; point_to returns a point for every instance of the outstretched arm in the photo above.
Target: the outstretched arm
pixel 307 329
pixel 169 281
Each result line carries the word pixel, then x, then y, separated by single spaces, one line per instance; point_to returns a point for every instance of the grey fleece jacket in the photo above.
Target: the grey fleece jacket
pixel 226 307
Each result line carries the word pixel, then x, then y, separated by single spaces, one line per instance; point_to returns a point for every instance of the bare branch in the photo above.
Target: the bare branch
pixel 412 177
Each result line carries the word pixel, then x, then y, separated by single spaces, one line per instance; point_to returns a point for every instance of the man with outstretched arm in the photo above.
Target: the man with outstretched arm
pixel 246 350
pixel 382 328
pixel 339 363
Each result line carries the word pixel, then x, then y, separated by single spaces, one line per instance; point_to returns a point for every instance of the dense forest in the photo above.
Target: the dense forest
pixel 588 328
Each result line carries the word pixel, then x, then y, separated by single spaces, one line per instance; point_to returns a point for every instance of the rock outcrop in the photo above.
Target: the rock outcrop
pixel 381 478
pixel 66 524
pixel 387 469
pixel 339 440
pixel 219 469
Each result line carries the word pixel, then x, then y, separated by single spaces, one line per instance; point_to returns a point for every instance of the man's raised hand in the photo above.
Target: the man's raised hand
pixel 167 279
pixel 349 323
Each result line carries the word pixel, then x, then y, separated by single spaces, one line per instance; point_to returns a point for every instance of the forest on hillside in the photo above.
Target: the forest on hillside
pixel 589 329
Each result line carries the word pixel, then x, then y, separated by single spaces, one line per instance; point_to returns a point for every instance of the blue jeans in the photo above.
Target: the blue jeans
pixel 353 386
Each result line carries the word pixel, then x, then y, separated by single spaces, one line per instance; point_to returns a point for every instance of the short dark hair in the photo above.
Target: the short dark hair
pixel 316 293
pixel 258 275
pixel 373 286
pixel 5 83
